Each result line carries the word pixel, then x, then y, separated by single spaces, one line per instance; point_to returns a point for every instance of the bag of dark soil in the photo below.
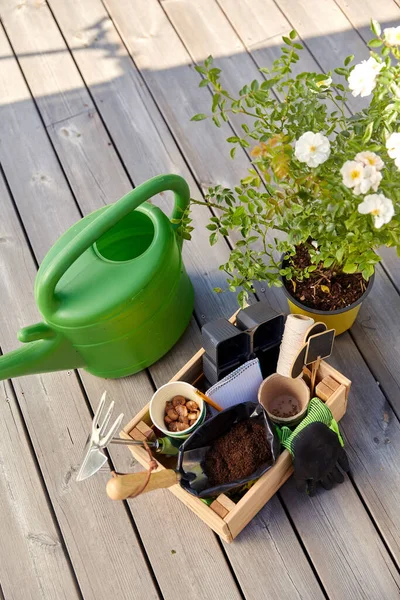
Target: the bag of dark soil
pixel 236 446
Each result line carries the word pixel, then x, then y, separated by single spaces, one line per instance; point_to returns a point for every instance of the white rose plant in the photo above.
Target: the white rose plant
pixel 328 180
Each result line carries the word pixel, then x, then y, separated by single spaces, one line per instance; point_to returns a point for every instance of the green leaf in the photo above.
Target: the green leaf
pixel 242 298
pixel 375 43
pixel 218 290
pixel 203 83
pixel 233 152
pixel 339 255
pixel 212 227
pixel 375 27
pixel 199 117
pixel 208 61
pixel 328 262
pixel 233 139
pixel 216 121
pixel 292 34
pixel 348 59
pixel 349 268
pixel 213 239
pixel 298 46
pixel 341 71
pixel 254 85
pixel 215 100
pixel 368 271
pixel 287 40
pixel 368 132
pixel 200 69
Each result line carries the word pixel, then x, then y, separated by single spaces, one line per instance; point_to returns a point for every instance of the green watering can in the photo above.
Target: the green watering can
pixel 113 290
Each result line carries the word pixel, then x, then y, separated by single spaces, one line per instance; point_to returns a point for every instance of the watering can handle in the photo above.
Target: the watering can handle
pixel 104 222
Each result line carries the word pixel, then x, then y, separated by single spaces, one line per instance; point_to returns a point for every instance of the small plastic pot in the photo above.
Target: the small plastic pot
pixel 268 359
pixel 225 344
pixel 277 389
pixel 167 392
pixel 264 324
pixel 340 320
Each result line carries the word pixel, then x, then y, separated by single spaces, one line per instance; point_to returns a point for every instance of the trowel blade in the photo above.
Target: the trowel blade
pixel 93 460
pixel 192 466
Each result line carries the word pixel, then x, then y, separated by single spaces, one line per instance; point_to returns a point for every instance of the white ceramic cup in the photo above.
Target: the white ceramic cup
pixel 167 392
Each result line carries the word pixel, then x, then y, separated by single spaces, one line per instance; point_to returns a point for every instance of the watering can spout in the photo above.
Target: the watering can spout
pixel 44 350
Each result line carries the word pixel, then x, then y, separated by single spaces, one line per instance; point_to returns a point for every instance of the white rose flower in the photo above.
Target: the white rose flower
pixel 370 158
pixel 362 79
pixel 371 180
pixel 323 85
pixel 312 149
pixel 380 207
pixel 360 177
pixel 391 36
pixel 352 173
pixel 393 145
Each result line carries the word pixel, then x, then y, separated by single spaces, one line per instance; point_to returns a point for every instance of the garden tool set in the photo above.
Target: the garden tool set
pixel 287 416
pixel 100 437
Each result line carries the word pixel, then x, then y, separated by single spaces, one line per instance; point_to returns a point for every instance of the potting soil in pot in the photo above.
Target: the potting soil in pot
pixel 325 289
pixel 238 453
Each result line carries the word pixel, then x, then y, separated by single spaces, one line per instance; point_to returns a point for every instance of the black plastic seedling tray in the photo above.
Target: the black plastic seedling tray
pixel 263 324
pixel 225 344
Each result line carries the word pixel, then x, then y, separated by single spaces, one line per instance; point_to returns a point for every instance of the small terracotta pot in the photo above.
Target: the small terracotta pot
pixel 282 392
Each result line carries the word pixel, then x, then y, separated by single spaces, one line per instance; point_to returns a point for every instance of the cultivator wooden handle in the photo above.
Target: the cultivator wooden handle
pixel 121 487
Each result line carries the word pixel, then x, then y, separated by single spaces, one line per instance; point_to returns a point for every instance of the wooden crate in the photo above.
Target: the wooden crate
pixel 224 516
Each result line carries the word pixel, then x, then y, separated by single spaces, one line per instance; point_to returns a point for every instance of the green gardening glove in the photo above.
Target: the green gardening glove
pixel 317 449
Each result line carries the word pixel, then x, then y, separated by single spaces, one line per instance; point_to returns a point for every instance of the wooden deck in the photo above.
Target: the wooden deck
pixel 96 97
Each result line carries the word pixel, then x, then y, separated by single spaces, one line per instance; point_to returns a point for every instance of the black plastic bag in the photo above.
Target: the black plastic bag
pixel 210 430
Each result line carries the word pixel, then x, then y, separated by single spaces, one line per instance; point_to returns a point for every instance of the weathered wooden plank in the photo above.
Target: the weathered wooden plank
pixel 33 562
pixel 372 436
pixel 97 533
pixel 97 176
pixel 49 53
pixel 347 553
pixel 328 35
pixel 360 13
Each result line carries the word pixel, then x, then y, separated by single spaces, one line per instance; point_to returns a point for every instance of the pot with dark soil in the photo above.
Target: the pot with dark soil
pixel 327 295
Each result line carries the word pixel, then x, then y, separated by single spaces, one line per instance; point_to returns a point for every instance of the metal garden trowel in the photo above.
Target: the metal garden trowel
pixel 94 456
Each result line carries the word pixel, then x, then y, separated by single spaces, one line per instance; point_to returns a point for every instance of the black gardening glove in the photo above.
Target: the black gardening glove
pixel 317 449
pixel 317 452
